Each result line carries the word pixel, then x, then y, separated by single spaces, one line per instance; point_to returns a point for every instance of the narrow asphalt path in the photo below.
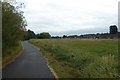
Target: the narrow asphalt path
pixel 30 64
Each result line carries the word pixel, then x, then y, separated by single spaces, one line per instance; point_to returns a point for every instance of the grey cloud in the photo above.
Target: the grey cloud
pixel 59 19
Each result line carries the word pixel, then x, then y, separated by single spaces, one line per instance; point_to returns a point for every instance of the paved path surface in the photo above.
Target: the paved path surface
pixel 30 64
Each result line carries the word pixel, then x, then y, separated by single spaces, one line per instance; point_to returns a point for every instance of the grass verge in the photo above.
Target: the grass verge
pixel 61 69
pixel 11 55
pixel 75 58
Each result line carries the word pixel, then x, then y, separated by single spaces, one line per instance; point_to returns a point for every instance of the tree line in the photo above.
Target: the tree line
pixel 30 35
pixel 113 33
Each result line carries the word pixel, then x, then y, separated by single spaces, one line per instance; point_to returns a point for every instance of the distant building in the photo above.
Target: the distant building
pixel 113 29
pixel 113 34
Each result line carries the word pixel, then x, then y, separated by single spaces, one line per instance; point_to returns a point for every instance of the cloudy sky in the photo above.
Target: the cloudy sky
pixel 59 17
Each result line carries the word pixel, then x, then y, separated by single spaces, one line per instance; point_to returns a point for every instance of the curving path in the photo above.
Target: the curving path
pixel 30 64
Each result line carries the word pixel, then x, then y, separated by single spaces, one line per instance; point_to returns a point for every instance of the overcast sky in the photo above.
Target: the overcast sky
pixel 59 17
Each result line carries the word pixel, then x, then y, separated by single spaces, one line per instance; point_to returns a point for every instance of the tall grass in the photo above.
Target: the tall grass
pixel 91 58
pixel 10 54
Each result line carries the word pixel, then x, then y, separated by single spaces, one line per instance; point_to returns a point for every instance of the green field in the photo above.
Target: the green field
pixel 83 58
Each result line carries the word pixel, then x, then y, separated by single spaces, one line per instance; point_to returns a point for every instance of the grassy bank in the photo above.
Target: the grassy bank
pixel 81 58
pixel 11 54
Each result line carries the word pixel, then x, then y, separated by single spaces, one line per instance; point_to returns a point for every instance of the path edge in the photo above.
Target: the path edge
pixel 53 72
pixel 50 68
pixel 11 61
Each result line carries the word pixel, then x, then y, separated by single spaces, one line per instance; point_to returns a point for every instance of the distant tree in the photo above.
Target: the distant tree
pixel 56 37
pixel 44 35
pixel 64 36
pixel 29 35
pixel 113 29
pixel 37 35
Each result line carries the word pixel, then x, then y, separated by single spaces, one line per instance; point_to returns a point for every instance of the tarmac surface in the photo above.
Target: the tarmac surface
pixel 30 64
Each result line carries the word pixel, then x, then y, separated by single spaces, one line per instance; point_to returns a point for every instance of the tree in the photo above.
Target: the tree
pixel 13 25
pixel 113 29
pixel 44 35
pixel 64 36
pixel 29 35
pixel 38 36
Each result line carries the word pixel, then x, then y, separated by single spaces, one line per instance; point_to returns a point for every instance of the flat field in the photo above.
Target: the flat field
pixel 81 58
